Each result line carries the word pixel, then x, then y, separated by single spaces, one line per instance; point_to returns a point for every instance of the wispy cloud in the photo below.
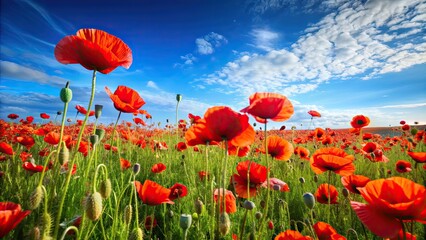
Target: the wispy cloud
pixel 264 38
pixel 357 40
pixel 151 84
pixel 412 105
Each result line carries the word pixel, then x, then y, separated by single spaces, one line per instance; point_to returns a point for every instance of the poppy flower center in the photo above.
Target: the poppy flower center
pixel 360 121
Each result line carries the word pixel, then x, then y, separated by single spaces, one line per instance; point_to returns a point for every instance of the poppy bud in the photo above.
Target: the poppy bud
pixel 195 216
pixel 100 133
pixel 262 204
pixel 198 205
pixel 249 205
pixel 345 192
pixel 128 210
pixel 47 225
pixel 309 200
pixel 302 180
pixel 66 93
pixel 36 197
pixel 93 206
pixel 137 234
pixel 316 178
pixel 170 213
pixel 98 110
pixel 414 131
pixel 35 233
pixel 136 168
pixel 178 98
pixel 94 139
pixel 185 221
pixel 105 188
pixel 224 223
pixel 258 215
pixel 58 112
pixel 64 154
pixel 270 225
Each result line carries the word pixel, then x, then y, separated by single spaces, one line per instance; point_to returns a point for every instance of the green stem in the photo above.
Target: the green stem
pixel 68 179
pixel 243 225
pixel 267 178
pixel 44 168
pixel 67 230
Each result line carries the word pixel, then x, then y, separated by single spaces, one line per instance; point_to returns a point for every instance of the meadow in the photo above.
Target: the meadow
pixel 216 176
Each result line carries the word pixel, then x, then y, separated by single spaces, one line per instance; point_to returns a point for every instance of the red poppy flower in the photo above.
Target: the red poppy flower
pixel 276 184
pixel 26 141
pixel 83 110
pixel 31 167
pixel 332 159
pixel 193 118
pixel 390 201
pixel 352 182
pixel 24 156
pixel 325 192
pixel 6 148
pixel 158 168
pixel 252 178
pixel 400 235
pixel 302 152
pixel 367 136
pixel 278 148
pixel 152 193
pixel 181 146
pixel 52 138
pixel 44 116
pixel 419 157
pixel 203 175
pixel 373 152
pixel 94 50
pixel 402 122
pixel 125 99
pixel 291 235
pixel 325 231
pixel 360 121
pixel 125 164
pixel 150 223
pixel 238 151
pixel 273 106
pixel 178 191
pixel 108 147
pixel 198 134
pixel 405 127
pixel 13 116
pixel 64 168
pixel 230 201
pixel 11 215
pixel 403 166
pixel 314 113
pixel 139 121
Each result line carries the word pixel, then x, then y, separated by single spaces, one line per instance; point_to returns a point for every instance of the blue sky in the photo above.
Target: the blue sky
pixel 339 57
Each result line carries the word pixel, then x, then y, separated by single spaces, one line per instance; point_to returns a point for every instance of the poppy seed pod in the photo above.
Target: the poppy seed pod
pixel 136 168
pixel 64 154
pixel 98 110
pixel 224 223
pixel 93 206
pixel 249 205
pixel 47 225
pixel 345 192
pixel 302 180
pixel 309 200
pixel 66 93
pixel 316 178
pixel 178 97
pixel 100 133
pixel 94 139
pixel 36 197
pixel 258 215
pixel 185 221
pixel 58 112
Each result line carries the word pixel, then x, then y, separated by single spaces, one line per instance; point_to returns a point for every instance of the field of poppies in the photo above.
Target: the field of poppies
pixel 215 176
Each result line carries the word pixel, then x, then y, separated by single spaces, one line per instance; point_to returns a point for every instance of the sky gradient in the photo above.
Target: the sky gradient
pixel 338 57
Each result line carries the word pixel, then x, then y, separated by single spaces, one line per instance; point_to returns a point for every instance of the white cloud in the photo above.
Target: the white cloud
pixel 264 38
pixel 356 40
pixel 207 44
pixel 18 72
pixel 152 85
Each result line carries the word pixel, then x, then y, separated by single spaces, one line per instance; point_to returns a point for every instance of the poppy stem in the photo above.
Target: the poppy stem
pixel 224 176
pixel 404 237
pixel 243 225
pixel 267 177
pixel 68 179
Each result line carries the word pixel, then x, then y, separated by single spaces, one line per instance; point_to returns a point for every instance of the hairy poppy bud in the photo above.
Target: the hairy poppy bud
pixel 345 192
pixel 316 178
pixel 66 93
pixel 98 110
pixel 258 215
pixel 178 97
pixel 93 206
pixel 36 197
pixel 137 234
pixel 198 205
pixel 309 200
pixel 185 221
pixel 105 188
pixel 302 180
pixel 128 210
pixel 224 223
pixel 94 139
pixel 64 154
pixel 47 225
pixel 35 233
pixel 136 168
